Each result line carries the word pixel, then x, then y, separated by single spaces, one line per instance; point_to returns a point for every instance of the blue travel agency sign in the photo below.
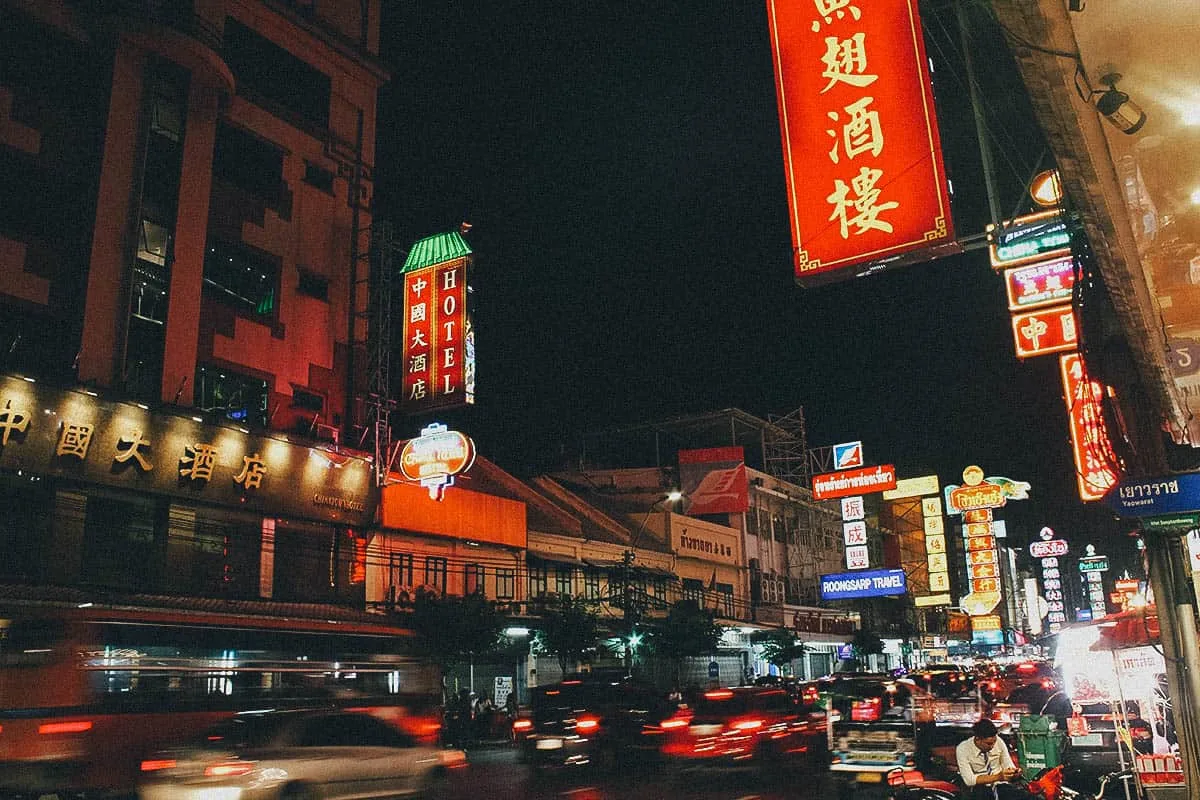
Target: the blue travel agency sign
pixel 1152 498
pixel 864 583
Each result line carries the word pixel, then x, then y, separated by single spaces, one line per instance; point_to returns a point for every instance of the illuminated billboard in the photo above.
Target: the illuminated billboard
pixel 1096 463
pixel 437 348
pixel 1044 331
pixel 862 156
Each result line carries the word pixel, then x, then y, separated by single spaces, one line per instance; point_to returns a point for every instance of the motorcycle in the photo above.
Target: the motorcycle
pixel 1046 785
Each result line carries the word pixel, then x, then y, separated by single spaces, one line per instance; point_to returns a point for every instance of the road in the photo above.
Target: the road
pixel 495 774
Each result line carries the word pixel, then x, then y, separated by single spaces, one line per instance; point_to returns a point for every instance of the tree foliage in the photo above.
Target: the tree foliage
pixel 456 629
pixel 687 631
pixel 779 646
pixel 867 643
pixel 569 628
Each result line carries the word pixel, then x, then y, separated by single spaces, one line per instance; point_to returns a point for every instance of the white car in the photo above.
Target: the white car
pixel 298 755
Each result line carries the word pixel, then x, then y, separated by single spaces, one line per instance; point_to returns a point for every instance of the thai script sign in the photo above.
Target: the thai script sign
pixel 832 485
pixel 1153 498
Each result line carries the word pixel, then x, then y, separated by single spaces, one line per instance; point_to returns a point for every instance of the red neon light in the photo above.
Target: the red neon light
pixel 862 154
pixel 51 728
pixel 1096 464
pixel 1047 330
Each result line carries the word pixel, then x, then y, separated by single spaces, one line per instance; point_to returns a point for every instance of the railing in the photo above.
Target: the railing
pixel 174 14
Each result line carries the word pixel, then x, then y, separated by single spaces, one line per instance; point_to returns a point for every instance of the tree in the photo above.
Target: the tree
pixel 455 629
pixel 688 631
pixel 866 643
pixel 779 646
pixel 569 628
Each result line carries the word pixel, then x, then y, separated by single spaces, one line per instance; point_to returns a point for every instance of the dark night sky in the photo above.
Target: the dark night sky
pixel 622 167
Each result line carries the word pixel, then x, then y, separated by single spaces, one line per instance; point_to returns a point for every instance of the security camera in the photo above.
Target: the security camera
pixel 1124 114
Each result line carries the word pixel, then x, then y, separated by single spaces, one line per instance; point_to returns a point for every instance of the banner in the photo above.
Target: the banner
pixel 713 481
pixel 862 155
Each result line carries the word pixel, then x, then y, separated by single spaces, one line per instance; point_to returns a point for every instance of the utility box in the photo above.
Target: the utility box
pixel 1039 745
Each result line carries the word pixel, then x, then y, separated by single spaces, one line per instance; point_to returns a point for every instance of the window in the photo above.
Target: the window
pixel 435 573
pixel 237 397
pixel 591 584
pixel 725 600
pixel 400 566
pixel 272 77
pixel 318 177
pixel 506 584
pixel 252 164
pixel 562 581
pixel 122 541
pixel 313 285
pixel 658 591
pixel 752 521
pixel 473 579
pixel 537 582
pixel 306 399
pixel 240 276
pixel 693 590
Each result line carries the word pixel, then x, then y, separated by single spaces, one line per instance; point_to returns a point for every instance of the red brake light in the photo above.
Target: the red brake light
pixel 673 723
pixel 1026 668
pixel 747 725
pixel 587 725
pixel 993 684
pixel 571 683
pixel 522 724
pixel 78 726
pixel 718 694
pixel 227 769
pixel 1047 683
pixel 152 765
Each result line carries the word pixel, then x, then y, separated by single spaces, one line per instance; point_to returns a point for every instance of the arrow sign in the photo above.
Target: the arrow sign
pixel 1157 497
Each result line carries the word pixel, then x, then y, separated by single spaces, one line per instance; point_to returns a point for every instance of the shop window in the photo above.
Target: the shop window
pixel 212 554
pixel 473 579
pixel 307 399
pixel 272 77
pixel 236 397
pixel 563 583
pixel 591 584
pixel 537 582
pixel 122 542
pixel 506 584
pixel 435 573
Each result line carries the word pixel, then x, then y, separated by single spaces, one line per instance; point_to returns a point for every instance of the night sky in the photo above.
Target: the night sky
pixel 622 169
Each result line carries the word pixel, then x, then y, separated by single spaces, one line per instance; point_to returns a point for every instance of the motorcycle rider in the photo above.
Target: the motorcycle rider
pixel 986 766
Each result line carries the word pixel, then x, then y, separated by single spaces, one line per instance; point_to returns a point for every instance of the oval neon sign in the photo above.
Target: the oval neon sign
pixel 435 457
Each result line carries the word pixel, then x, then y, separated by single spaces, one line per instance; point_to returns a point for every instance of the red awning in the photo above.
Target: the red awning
pixel 1134 628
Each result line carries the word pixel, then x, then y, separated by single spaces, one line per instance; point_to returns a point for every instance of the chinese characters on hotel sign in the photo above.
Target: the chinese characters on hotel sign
pixel 77 436
pixel 862 155
pixel 437 368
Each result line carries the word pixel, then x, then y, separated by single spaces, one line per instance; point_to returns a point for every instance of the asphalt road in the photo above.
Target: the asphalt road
pixel 495 774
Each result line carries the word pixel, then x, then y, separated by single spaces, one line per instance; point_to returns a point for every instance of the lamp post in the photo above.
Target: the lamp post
pixel 629 607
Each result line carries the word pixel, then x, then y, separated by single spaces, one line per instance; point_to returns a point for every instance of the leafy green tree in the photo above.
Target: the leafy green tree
pixel 866 643
pixel 687 631
pixel 569 628
pixel 455 630
pixel 779 646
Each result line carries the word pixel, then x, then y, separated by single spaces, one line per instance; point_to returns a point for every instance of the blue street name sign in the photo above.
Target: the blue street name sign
pixel 866 583
pixel 1154 498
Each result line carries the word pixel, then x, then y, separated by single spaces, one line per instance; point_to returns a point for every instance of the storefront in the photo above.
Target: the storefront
pixel 120 497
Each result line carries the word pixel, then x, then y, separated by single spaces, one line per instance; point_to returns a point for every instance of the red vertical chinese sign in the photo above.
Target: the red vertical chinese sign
pixel 1096 464
pixel 435 352
pixel 862 155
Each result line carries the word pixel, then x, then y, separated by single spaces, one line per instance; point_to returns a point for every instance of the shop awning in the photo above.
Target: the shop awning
pixel 1134 628
pixel 555 558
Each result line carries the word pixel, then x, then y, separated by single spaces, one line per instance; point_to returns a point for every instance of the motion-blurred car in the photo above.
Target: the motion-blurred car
pixel 943 680
pixel 750 726
pixel 601 722
pixel 295 755
pixel 1020 674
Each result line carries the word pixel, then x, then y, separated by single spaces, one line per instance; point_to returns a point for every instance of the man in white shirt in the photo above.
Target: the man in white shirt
pixel 985 765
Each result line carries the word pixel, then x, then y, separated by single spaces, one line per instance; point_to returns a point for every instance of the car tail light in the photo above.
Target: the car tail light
pixel 587 725
pixel 1026 668
pixel 718 694
pixel 674 723
pixel 78 726
pixel 1047 683
pixel 747 724
pixel 228 769
pixel 453 759
pixel 522 725
pixel 155 764
pixel 993 684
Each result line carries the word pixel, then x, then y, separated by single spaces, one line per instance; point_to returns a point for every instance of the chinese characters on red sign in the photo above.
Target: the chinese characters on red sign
pixel 862 153
pixel 1095 461
pixel 1049 330
pixel 435 354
